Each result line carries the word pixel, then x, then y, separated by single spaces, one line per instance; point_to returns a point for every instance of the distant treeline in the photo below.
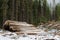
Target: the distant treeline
pixel 31 11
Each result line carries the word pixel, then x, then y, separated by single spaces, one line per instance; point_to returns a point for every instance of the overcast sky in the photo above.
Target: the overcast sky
pixel 51 1
pixel 52 5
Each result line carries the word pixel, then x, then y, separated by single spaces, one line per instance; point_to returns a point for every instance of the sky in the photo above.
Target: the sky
pixel 51 5
pixel 51 1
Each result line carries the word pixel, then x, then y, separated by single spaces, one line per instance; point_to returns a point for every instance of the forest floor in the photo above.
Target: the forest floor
pixel 42 35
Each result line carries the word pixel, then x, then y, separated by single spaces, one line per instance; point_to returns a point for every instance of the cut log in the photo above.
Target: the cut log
pixel 17 26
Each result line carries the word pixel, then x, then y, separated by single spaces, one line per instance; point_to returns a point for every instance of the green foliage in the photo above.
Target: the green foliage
pixel 47 12
pixel 43 19
pixel 58 11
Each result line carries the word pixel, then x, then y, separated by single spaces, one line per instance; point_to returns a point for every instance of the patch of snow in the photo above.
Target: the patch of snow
pixel 42 35
pixel 5 38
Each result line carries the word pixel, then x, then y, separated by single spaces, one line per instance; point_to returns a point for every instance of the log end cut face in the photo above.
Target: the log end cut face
pixel 9 27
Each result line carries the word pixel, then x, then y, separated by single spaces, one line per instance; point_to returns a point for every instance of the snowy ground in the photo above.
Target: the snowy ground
pixel 42 35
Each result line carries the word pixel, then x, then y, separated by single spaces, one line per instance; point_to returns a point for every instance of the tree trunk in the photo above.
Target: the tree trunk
pixel 12 10
pixel 17 4
pixel 4 7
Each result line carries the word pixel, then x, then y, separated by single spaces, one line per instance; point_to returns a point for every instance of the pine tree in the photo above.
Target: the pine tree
pixel 4 8
pixel 58 12
pixel 11 9
pixel 30 11
pixel 54 10
pixel 17 4
pixel 44 8
pixel 35 12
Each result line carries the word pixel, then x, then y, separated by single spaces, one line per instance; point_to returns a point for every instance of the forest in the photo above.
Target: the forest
pixel 30 11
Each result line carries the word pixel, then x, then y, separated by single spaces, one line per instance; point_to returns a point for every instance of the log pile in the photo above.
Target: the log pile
pixel 16 26
pixel 23 27
pixel 51 24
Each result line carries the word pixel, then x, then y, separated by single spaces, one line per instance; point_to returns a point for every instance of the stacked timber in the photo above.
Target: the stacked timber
pixel 51 24
pixel 20 27
pixel 16 26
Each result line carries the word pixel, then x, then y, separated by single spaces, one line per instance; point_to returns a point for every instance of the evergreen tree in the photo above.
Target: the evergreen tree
pixel 35 12
pixel 4 8
pixel 12 9
pixel 17 4
pixel 58 11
